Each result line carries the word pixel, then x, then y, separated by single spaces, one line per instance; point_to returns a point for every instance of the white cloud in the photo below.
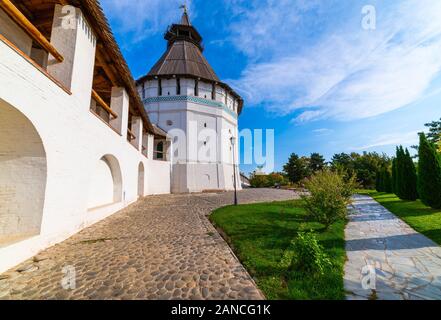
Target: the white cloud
pixel 322 132
pixel 391 139
pixel 347 73
pixel 141 19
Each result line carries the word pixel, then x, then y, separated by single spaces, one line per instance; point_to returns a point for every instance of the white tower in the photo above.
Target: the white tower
pixel 184 97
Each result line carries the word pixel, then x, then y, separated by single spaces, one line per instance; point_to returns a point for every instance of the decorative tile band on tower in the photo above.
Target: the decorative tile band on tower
pixel 198 100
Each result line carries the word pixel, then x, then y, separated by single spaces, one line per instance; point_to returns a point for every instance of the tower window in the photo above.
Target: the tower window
pixel 196 88
pixel 226 97
pixel 159 87
pixel 213 92
pixel 143 90
pixel 178 86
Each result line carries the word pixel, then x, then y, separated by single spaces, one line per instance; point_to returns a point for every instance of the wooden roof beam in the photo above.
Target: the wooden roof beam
pixel 21 20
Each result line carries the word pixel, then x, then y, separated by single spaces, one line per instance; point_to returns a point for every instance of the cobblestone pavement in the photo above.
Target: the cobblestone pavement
pixel 162 247
pixel 407 264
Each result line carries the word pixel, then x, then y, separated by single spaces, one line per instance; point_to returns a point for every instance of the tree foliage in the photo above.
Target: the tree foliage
pixel 364 166
pixel 329 196
pixel 429 174
pixel 406 177
pixel 297 168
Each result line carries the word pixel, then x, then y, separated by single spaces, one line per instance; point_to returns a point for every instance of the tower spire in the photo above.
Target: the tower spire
pixel 185 20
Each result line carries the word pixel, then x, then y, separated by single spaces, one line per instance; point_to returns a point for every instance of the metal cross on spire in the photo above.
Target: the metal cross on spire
pixel 184 6
pixel 185 19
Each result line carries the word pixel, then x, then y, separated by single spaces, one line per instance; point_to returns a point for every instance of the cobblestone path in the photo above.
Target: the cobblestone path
pixel 162 247
pixel 407 264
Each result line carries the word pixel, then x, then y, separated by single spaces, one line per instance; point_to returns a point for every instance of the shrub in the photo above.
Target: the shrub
pixel 329 196
pixel 259 181
pixel 276 179
pixel 309 255
pixel 429 174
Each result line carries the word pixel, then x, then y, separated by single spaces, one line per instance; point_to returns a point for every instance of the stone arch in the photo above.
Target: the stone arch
pixel 23 176
pixel 141 179
pixel 105 186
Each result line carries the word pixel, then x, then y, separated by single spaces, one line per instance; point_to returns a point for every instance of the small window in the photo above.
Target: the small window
pixel 159 87
pixel 196 88
pixel 169 123
pixel 213 92
pixel 178 86
pixel 226 97
pixel 205 125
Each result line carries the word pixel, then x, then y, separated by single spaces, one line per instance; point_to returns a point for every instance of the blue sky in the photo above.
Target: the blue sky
pixel 307 68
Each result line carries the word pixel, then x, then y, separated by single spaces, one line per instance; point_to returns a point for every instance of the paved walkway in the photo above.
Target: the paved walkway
pixel 407 264
pixel 162 247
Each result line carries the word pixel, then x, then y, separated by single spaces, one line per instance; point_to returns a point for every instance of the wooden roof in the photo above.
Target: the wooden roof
pixel 184 58
pixel 110 68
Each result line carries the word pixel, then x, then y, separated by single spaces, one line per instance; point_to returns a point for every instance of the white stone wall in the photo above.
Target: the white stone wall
pixel 14 33
pixel 74 141
pixel 195 170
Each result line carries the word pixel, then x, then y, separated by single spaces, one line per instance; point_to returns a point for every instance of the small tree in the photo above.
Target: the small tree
pixel 297 168
pixel 429 174
pixel 316 162
pixel 329 196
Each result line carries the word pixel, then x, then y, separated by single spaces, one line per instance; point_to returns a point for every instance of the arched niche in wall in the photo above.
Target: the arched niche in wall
pixel 141 179
pixel 23 175
pixel 105 186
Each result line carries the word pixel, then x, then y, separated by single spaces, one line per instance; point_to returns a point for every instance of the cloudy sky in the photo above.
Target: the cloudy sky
pixel 309 69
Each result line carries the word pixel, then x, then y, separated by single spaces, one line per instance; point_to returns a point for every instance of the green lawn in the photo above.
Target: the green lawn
pixel 260 233
pixel 420 217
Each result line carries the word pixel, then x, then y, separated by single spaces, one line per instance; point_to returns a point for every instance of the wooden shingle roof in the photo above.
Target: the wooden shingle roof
pixel 184 58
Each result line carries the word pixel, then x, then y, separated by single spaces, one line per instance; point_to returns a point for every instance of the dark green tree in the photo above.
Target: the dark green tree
pixel 408 188
pixel 394 176
pixel 434 135
pixel 379 181
pixel 316 162
pixel 297 168
pixel 387 180
pixel 429 174
pixel 399 172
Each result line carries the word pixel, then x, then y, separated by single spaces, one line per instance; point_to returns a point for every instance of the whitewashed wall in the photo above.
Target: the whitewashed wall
pixel 74 141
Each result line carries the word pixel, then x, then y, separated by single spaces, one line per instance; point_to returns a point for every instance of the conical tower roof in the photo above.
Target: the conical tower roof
pixel 184 53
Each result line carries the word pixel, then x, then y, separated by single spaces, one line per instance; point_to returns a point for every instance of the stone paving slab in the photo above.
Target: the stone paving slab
pixel 407 264
pixel 162 247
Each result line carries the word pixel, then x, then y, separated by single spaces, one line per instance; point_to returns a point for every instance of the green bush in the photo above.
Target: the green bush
pixel 309 256
pixel 259 181
pixel 429 174
pixel 329 196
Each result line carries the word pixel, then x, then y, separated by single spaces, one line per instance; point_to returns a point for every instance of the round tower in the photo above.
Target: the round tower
pixel 183 96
